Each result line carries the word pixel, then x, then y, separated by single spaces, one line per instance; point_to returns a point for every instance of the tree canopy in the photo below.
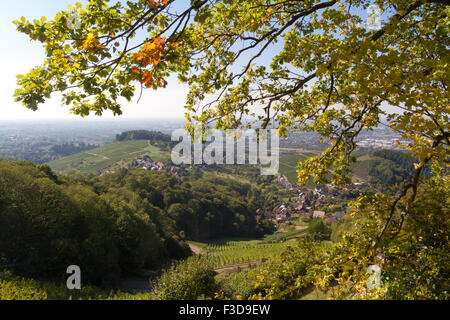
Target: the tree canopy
pixel 115 224
pixel 310 65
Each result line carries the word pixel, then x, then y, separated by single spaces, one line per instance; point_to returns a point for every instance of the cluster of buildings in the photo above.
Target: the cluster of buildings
pixel 147 163
pixel 377 143
pixel 308 203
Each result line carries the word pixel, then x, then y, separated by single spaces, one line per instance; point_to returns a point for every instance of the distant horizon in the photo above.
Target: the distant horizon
pixel 22 55
pixel 100 119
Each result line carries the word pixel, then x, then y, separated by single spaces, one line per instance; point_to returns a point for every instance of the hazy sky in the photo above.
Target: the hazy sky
pixel 19 55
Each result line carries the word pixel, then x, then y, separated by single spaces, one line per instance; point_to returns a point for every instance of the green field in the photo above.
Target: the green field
pixel 232 251
pixel 235 252
pixel 288 164
pixel 112 156
pixel 363 164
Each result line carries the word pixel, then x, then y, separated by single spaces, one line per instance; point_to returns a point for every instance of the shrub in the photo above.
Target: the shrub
pixel 318 230
pixel 191 279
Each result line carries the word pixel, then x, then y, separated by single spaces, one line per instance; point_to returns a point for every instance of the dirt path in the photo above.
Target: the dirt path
pixel 135 285
pixel 236 266
pixel 196 250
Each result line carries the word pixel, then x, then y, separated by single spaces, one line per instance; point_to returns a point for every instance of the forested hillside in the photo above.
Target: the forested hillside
pixel 391 168
pixel 155 138
pixel 115 224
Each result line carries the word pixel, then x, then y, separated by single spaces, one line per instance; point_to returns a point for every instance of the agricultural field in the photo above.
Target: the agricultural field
pixel 363 164
pixel 112 156
pixel 361 168
pixel 288 164
pixel 235 251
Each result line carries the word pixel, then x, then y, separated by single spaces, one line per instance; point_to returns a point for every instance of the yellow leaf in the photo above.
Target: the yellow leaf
pixel 321 70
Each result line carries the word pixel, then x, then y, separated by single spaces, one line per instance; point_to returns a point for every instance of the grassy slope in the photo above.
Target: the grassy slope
pixel 115 153
pixel 230 251
pixel 363 164
pixel 18 288
pixel 288 163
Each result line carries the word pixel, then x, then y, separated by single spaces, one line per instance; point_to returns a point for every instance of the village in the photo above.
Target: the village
pixel 307 204
pixel 147 163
